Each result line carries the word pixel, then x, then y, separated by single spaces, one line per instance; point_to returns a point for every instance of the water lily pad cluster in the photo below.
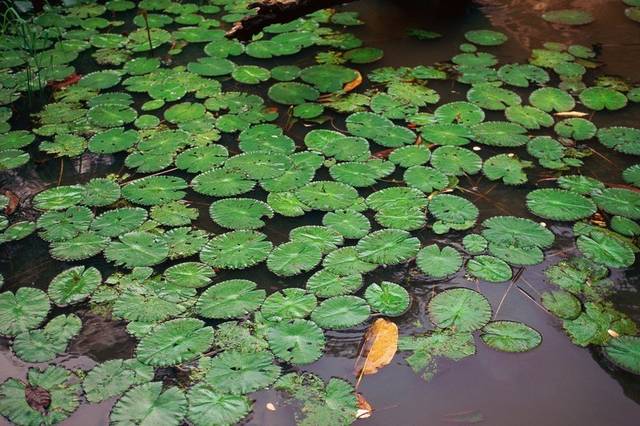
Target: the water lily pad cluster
pixel 210 169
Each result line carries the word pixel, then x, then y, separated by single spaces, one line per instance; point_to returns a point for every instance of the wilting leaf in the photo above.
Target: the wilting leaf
pixel 378 347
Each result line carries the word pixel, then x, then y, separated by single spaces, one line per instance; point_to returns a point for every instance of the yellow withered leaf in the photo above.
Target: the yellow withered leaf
pixel 353 83
pixel 378 348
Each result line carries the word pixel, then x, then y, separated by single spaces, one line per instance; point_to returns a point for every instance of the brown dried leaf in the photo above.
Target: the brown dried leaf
pixel 384 154
pixel 38 398
pixel 364 408
pixel 13 204
pixel 378 348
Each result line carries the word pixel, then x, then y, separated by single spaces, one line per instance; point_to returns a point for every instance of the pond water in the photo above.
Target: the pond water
pixel 557 383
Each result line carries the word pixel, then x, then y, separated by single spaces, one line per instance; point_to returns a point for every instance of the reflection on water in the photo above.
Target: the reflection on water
pixel 556 384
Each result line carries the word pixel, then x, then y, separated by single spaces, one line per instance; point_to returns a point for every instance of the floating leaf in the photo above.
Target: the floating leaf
pixel 114 377
pixel 174 342
pixel 250 74
pixel 22 311
pixel 290 303
pixel 291 93
pixel 619 201
pixel 229 299
pixel 208 406
pixel 452 212
pixel 44 344
pixel 350 224
pixel 154 190
pixel 240 213
pixel 507 168
pixel 521 75
pixel 293 258
pixel 551 99
pixel 64 225
pixel 568 17
pixel 222 183
pixel 49 397
pixel 624 351
pixel 324 239
pixel 460 309
pixel 562 304
pixel 559 204
pixel 388 247
pixel 82 246
pixel 240 373
pixel 236 250
pixel 189 275
pixel 426 179
pixel 137 249
pixel 489 268
pixel 606 249
pixel 298 342
pixel 111 115
pixel 594 324
pixel 474 243
pixel 388 298
pixel 459 112
pixel 510 336
pixel 378 347
pixel 621 139
pixel 499 133
pixel 486 37
pixel 625 226
pixel 575 128
pixel 457 161
pixel 438 263
pixel 73 285
pixel 528 116
pixel 326 77
pixel 599 98
pixel 328 283
pixel 440 343
pixel 346 261
pixel 341 312
pixel 147 402
pixel 58 198
pixel 380 129
pixel 492 98
pixel 113 223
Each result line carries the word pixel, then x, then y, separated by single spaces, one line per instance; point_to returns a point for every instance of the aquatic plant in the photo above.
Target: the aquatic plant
pixel 392 196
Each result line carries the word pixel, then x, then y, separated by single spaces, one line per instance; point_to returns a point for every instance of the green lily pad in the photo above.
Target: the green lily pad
pixel 341 312
pixel 568 17
pixel 460 309
pixel 298 342
pixel 22 311
pixel 388 298
pixel 510 336
pixel 486 37
pixel 230 299
pixel 439 263
pixel 73 285
pixel 174 342
pixel 559 204
pixel 489 268
pixel 599 98
pixel 146 402
pixel 624 351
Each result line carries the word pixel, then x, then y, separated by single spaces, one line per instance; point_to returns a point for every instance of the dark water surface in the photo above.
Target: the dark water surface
pixel 556 384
